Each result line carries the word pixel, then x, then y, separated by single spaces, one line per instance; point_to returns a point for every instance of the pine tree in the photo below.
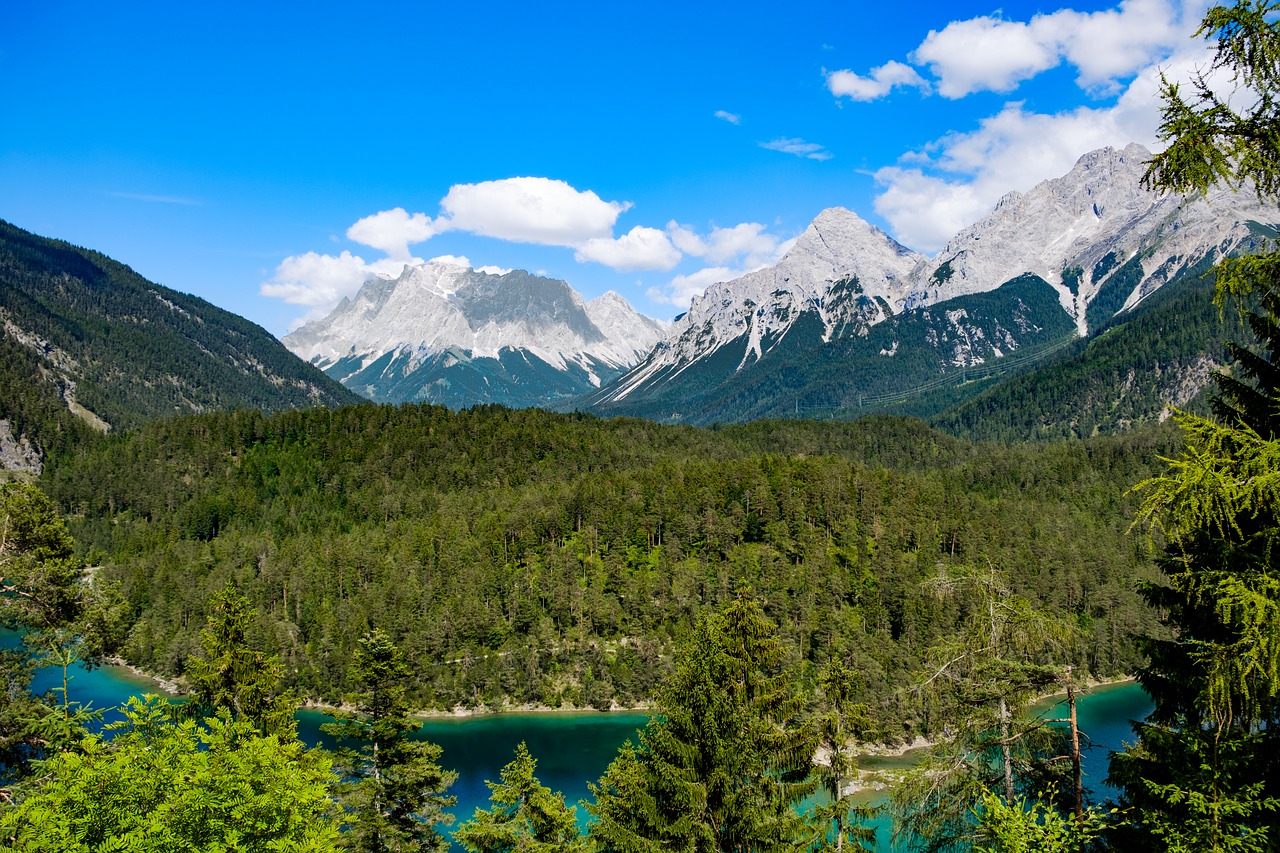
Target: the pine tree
pixel 1205 773
pixel 724 762
pixel 394 788
pixel 526 816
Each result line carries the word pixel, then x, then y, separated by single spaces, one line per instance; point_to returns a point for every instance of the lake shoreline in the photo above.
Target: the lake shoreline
pixel 174 688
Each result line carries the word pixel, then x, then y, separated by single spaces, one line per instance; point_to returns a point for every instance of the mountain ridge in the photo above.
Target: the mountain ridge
pixel 1095 236
pixel 512 337
pixel 89 345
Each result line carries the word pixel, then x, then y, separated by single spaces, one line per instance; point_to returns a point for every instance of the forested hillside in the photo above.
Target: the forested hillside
pixel 523 556
pixel 1126 374
pixel 89 342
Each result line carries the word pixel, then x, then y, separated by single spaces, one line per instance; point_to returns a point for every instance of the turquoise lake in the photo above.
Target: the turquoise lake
pixel 574 748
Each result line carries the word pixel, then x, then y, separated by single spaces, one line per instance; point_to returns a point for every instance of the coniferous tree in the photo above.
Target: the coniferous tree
pixel 394 788
pixel 1203 775
pixel 841 821
pixel 977 683
pixel 234 676
pixel 526 817
pixel 723 764
pixel 63 619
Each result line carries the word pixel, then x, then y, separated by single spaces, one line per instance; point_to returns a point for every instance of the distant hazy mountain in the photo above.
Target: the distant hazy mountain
pixel 849 317
pixel 90 344
pixel 448 334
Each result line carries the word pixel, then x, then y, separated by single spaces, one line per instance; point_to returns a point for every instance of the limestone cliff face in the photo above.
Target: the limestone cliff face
pixel 447 333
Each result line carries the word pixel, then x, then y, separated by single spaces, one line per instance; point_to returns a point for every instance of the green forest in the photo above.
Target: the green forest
pixel 777 594
pixel 525 557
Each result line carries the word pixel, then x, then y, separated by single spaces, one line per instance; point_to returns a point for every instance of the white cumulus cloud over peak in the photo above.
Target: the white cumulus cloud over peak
pixel 393 231
pixel 798 147
pixel 452 260
pixel 747 240
pixel 932 193
pixel 640 248
pixel 531 210
pixel 682 289
pixel 321 281
pixel 725 115
pixel 875 85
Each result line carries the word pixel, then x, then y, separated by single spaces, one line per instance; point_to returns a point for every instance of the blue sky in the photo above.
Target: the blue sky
pixel 269 156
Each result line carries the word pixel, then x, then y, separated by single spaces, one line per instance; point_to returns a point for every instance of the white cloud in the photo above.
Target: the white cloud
pixel 321 281
pixel 640 248
pixel 394 230
pixel 732 118
pixel 956 180
pixel 798 147
pixel 877 84
pixel 681 290
pixel 984 53
pixel 1115 43
pixel 747 241
pixel 993 54
pixel 531 210
pixel 455 260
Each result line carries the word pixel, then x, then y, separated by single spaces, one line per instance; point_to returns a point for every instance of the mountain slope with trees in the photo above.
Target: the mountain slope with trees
pixel 89 342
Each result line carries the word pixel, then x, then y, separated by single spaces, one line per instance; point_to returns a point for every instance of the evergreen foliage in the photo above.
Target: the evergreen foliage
pixel 526 816
pixel 86 328
pixel 1204 773
pixel 527 557
pixel 725 761
pixel 46 597
pixel 976 681
pixel 234 678
pixel 393 786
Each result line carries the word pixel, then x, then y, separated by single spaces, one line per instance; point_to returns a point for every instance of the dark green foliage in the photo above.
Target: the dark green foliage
pixel 1115 290
pixel 1247 396
pixel 393 786
pixel 725 762
pixel 126 349
pixel 233 678
pixel 557 559
pixel 526 816
pixel 1071 277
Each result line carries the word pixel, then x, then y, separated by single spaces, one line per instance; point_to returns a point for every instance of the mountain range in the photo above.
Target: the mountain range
pixel 1076 308
pixel 449 334
pixel 850 317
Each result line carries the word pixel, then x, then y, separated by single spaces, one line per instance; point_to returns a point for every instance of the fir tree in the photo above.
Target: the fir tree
pixel 233 676
pixel 1203 775
pixel 723 764
pixel 394 788
pixel 526 816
